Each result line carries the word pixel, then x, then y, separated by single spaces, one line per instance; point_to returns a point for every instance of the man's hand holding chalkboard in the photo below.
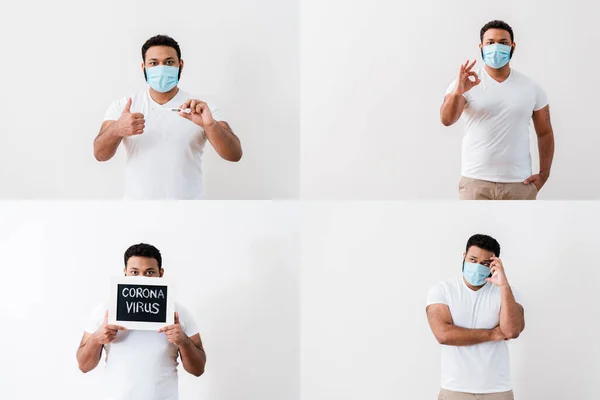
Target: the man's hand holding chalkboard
pixel 106 333
pixel 175 334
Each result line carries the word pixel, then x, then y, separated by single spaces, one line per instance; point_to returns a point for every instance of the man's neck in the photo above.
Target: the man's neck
pixel 473 288
pixel 499 75
pixel 163 98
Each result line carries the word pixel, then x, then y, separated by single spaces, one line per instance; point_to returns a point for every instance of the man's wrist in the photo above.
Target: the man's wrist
pixel 187 342
pixel 211 125
pixel 116 131
pixel 455 93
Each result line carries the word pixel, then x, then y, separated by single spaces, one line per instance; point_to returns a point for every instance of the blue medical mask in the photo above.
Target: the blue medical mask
pixel 475 274
pixel 496 55
pixel 162 78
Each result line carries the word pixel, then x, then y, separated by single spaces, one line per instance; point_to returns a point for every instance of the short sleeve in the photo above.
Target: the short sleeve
pixel 95 319
pixel 437 295
pixel 115 110
pixel 541 98
pixel 452 87
pixel 187 320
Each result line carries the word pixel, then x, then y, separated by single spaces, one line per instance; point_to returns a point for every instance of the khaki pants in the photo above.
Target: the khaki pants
pixel 449 395
pixel 475 189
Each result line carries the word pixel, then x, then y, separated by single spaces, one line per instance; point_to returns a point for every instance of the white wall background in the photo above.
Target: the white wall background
pixel 366 270
pixel 69 60
pixel 234 264
pixel 374 76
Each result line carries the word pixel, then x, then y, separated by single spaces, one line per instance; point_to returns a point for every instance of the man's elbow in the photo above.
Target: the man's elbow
pixel 197 372
pixel 546 133
pixel 234 157
pixel 100 156
pixel 446 121
pixel 513 334
pixel 442 338
pixel 85 368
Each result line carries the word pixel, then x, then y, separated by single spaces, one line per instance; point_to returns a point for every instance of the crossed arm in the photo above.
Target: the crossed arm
pixel 512 323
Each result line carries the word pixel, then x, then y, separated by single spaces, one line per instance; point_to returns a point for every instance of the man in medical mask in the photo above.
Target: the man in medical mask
pixel 498 104
pixel 164 146
pixel 472 317
pixel 142 365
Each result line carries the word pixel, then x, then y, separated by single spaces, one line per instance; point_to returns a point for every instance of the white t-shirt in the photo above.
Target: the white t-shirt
pixel 164 162
pixel 496 145
pixel 480 368
pixel 141 365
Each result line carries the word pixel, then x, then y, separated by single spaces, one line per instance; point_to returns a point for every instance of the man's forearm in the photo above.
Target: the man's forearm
pixel 546 152
pixel 192 358
pixel 226 144
pixel 88 355
pixel 107 143
pixel 512 320
pixel 457 336
pixel 451 109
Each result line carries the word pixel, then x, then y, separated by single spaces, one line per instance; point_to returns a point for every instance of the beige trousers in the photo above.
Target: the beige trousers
pixel 449 395
pixel 475 189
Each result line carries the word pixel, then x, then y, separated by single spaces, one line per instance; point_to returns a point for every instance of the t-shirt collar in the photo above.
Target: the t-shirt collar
pixel 168 103
pixel 489 78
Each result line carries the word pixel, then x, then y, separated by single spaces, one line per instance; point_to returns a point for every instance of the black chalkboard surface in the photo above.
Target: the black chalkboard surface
pixel 141 302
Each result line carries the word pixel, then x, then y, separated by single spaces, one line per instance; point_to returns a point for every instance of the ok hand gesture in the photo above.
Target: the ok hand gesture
pixel 465 83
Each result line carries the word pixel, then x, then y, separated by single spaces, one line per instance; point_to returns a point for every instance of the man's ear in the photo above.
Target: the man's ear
pixel 125 271
pixel 161 272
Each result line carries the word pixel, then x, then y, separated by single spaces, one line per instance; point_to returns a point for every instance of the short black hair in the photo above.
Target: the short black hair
pixel 496 24
pixel 484 242
pixel 160 40
pixel 143 250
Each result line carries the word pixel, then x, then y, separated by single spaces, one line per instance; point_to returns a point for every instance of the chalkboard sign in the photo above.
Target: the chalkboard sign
pixel 141 303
